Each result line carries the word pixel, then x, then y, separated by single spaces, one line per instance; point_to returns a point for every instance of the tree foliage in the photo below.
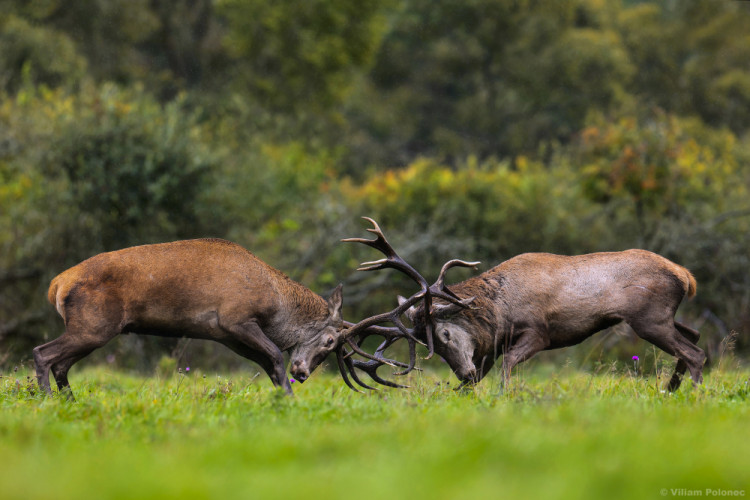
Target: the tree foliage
pixel 477 129
pixel 299 54
pixel 35 54
pixel 90 172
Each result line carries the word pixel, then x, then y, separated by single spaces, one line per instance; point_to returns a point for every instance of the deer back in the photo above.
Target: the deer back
pixel 175 285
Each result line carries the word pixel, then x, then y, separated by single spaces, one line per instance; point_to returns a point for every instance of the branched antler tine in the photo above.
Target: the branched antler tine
pixel 379 243
pixel 393 333
pixel 392 258
pixel 398 364
pixel 405 331
pixel 379 352
pixel 394 262
pixel 359 240
pixel 370 329
pixel 440 283
pixel 368 326
pixel 370 368
pixel 388 332
pixel 430 339
pixel 340 359
pixel 346 363
pixel 378 355
pixel 369 356
pixel 452 298
pixel 412 358
pixel 350 364
pixel 373 265
pixel 388 342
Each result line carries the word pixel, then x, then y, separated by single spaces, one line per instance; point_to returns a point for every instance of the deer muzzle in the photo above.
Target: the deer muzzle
pixel 300 371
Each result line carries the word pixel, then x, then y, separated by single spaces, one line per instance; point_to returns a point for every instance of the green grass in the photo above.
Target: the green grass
pixel 574 435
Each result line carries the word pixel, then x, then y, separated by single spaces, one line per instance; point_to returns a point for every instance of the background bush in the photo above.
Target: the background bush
pixel 477 130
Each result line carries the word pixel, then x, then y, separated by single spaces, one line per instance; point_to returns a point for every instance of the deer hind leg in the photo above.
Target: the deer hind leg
pixel 87 329
pixel 678 341
pixel 55 354
pixel 61 368
pixel 43 357
pixel 692 336
pixel 52 354
pixel 60 354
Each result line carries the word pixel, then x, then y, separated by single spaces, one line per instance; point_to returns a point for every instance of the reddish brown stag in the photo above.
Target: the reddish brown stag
pixel 203 289
pixel 539 301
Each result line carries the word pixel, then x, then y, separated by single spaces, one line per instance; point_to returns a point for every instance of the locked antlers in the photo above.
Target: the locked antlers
pixel 356 333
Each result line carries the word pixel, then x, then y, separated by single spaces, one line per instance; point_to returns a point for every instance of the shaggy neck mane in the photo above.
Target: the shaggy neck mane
pixel 482 319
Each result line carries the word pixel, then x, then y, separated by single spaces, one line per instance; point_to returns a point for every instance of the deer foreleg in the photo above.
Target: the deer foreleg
pixel 525 346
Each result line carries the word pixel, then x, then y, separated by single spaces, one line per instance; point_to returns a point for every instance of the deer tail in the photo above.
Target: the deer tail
pixel 53 298
pixel 52 292
pixel 692 285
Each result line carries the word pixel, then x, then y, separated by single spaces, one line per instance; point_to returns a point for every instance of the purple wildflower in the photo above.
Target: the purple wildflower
pixel 635 358
pixel 187 368
pixel 292 380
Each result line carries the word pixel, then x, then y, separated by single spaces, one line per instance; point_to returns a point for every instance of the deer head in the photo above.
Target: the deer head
pixel 452 341
pixel 306 356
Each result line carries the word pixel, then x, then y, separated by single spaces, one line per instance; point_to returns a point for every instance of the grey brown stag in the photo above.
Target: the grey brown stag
pixel 539 301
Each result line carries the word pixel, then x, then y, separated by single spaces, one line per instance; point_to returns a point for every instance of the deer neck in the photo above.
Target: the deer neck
pixel 485 320
pixel 301 313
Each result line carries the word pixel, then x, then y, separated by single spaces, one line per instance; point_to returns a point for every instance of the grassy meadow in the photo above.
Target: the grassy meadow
pixel 554 434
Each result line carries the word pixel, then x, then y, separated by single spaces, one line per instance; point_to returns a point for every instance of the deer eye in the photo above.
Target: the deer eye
pixel 446 335
pixel 329 342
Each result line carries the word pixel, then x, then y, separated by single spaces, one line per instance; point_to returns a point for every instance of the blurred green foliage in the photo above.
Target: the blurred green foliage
pixel 298 55
pixel 35 54
pixel 477 129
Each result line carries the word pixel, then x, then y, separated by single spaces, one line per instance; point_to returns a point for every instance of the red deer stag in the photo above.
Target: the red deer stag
pixel 539 301
pixel 204 289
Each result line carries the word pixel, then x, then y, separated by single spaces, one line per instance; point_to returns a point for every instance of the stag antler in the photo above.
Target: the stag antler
pixel 368 326
pixel 370 367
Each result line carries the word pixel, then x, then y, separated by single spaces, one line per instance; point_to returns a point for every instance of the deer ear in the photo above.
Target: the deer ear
pixel 335 302
pixel 411 313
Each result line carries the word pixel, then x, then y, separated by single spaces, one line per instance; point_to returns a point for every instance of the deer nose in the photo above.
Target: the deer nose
pixel 299 371
pixel 470 376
